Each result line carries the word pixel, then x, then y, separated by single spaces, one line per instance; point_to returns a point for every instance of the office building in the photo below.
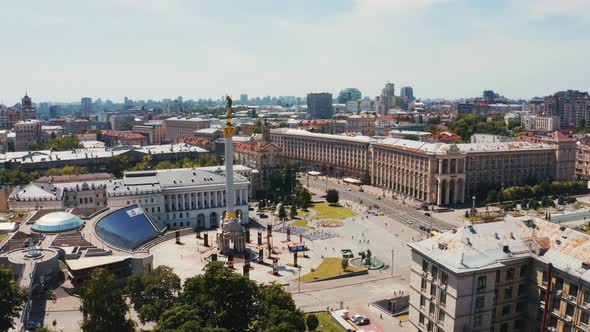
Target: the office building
pixel 571 106
pixel 86 106
pixel 244 99
pixel 53 111
pixel 349 94
pixel 407 93
pixel 154 132
pixel 515 275
pixel 540 123
pixel 113 138
pixel 363 124
pixel 27 132
pixel 319 105
pixel 183 127
pixel 490 96
pixel 386 101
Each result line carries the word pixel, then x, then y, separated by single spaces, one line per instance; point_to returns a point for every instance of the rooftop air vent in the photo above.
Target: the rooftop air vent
pixel 586 265
pixel 506 249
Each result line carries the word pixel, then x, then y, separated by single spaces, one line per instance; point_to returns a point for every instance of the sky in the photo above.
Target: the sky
pixel 62 50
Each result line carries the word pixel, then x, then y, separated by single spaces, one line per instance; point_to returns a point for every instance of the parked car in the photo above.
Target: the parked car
pixel 33 325
pixel 409 222
pixel 427 214
pixel 378 198
pixel 360 320
pixel 423 228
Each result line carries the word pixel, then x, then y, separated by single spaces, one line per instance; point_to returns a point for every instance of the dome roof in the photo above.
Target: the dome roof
pixel 57 222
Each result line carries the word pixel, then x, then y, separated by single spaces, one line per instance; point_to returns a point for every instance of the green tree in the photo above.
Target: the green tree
pixel 62 143
pixel 165 164
pixel 302 197
pixel 153 292
pixel 282 212
pixel 432 128
pixel 411 137
pixel 12 299
pixel 293 211
pixel 17 177
pixel 103 306
pixel 34 146
pixel 332 196
pixel 261 204
pixel 277 311
pixel 312 322
pixel 67 170
pixel 222 298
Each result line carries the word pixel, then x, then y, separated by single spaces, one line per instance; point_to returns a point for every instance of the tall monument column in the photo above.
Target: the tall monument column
pixel 231 235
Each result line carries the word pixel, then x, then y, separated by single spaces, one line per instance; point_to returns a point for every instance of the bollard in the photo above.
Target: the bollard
pixel 288 233
pixel 206 239
pixel 177 237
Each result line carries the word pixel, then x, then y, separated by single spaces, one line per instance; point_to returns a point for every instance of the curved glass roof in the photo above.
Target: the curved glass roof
pixel 56 222
pixel 127 228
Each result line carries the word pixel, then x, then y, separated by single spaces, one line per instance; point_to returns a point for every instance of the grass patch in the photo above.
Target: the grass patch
pixel 302 213
pixel 18 216
pixel 327 211
pixel 3 237
pixel 326 323
pixel 300 223
pixel 174 230
pixel 330 267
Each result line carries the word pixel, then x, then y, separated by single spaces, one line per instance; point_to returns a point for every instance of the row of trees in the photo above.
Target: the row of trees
pixel 121 164
pixel 469 124
pixel 216 301
pixel 59 144
pixel 544 189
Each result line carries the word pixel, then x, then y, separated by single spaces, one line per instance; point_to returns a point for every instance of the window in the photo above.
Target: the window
pixel 444 278
pixel 523 270
pixel 573 291
pixel 477 320
pixel 555 303
pixel 508 292
pixel 504 327
pixel 510 274
pixel 520 306
pixel 569 310
pixel 498 276
pixel 431 308
pixel 587 296
pixel 181 224
pixel 158 209
pixel 423 285
pixel 506 310
pixel 480 302
pixel 521 289
pixel 443 297
pixel 584 317
pixel 481 283
pixel 545 277
pixel 441 316
pixel 422 301
pixel 432 289
pixel 434 272
pixel 424 265
pixel 558 283
pixel 421 319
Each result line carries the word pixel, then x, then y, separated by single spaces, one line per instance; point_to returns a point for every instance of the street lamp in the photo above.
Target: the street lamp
pixel 299 284
pixel 392 254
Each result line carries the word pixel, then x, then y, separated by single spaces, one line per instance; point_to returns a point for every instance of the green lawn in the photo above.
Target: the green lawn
pixel 300 223
pixel 18 216
pixel 331 223
pixel 326 323
pixel 330 267
pixel 3 237
pixel 326 211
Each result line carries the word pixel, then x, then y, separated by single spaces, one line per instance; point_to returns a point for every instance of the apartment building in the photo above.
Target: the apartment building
pixel 499 277
pixel 540 123
pixel 122 138
pixel 179 127
pixel 27 132
pixel 153 131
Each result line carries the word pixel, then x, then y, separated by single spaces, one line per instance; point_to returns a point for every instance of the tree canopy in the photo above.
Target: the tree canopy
pixel 103 306
pixel 332 196
pixel 12 299
pixel 469 124
pixel 153 292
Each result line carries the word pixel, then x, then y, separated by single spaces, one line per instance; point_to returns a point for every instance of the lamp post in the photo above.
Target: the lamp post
pixel 392 254
pixel 299 279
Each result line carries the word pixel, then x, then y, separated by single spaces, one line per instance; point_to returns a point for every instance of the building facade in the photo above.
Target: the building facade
pixel 349 94
pixel 571 106
pixel 153 131
pixel 179 127
pixel 122 138
pixel 541 123
pixel 496 277
pixel 27 132
pixel 319 105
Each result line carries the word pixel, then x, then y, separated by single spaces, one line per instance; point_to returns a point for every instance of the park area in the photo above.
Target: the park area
pixel 326 324
pixel 324 215
pixel 329 268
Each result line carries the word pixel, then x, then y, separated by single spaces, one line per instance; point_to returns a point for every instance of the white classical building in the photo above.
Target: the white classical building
pixel 182 197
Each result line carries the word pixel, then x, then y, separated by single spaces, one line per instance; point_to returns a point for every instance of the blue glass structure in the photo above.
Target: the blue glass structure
pixel 127 228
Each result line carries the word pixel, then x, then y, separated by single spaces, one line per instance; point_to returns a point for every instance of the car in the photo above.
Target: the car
pixel 423 228
pixel 32 325
pixel 409 222
pixel 262 215
pixel 360 320
pixel 378 198
pixel 427 214
pixel 348 189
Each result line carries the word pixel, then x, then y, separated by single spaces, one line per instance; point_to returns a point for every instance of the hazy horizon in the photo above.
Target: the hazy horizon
pixel 152 49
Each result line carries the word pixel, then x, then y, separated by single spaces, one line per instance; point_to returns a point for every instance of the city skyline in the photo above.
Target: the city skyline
pixel 157 49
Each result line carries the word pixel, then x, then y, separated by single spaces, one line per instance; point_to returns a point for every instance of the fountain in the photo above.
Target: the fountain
pixel 366 260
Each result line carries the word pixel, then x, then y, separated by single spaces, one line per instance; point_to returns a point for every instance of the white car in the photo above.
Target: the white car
pixel 409 222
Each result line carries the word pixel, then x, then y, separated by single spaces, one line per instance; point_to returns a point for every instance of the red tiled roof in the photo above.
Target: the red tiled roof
pixel 122 134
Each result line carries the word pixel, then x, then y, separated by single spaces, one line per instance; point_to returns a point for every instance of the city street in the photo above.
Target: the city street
pixel 392 208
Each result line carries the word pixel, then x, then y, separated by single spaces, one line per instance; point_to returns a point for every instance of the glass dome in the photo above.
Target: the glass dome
pixel 56 222
pixel 127 228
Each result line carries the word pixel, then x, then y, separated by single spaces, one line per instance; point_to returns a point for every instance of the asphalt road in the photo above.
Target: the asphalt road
pixel 393 209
